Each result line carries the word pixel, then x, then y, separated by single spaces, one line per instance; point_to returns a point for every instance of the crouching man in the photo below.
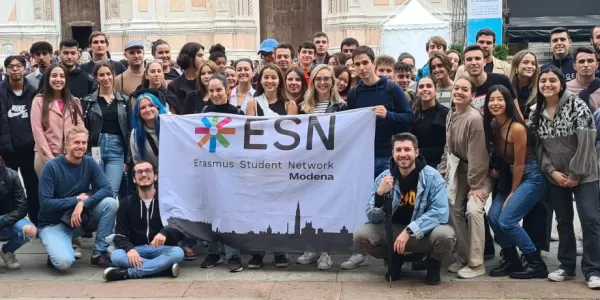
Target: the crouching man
pixel 144 246
pixel 14 228
pixel 68 208
pixel 419 215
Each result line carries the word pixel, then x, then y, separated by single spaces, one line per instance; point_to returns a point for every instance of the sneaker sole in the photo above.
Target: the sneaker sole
pixel 306 263
pixel 175 270
pixel 236 270
pixel 560 279
pixel 254 267
pixel 324 268
pixel 189 258
pixel 213 265
pixel 472 275
pixel 105 273
pixel 281 265
pixel 362 264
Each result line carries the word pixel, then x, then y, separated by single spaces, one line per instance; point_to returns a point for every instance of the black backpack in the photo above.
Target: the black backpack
pixel 389 89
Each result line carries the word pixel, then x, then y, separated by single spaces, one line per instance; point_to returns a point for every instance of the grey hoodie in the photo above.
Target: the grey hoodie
pixel 567 144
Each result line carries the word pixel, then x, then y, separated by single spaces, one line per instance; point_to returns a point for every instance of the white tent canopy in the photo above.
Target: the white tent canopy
pixel 410 29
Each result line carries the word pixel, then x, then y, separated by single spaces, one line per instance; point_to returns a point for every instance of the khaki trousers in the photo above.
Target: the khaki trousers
pixel 371 239
pixel 466 216
pixel 38 164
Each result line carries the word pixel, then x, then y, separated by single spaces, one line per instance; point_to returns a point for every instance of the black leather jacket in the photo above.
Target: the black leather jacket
pixel 94 121
pixel 13 202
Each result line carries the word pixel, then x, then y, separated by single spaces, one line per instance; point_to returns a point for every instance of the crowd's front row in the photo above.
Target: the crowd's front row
pixel 145 247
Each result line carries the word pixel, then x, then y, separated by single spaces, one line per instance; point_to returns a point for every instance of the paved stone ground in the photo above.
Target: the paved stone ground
pixel 35 281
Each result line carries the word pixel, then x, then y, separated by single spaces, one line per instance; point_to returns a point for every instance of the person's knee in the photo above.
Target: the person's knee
pixel 177 254
pixel 62 262
pixel 505 224
pixel 109 205
pixel 475 211
pixel 118 256
pixel 362 234
pixel 444 237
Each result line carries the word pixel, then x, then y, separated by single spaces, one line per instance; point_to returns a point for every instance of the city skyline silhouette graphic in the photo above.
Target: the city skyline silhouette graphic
pixel 214 131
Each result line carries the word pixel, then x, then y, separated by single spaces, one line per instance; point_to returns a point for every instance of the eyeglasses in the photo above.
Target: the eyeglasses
pixel 147 171
pixel 322 79
pixel 17 66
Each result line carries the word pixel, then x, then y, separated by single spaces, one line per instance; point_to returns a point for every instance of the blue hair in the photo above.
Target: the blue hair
pixel 138 122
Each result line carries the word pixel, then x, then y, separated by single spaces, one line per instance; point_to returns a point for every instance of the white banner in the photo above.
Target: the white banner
pixel 287 176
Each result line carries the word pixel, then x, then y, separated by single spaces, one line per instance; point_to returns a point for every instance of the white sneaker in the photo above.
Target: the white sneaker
pixel 324 262
pixel 354 261
pixel 560 275
pixel 593 282
pixel 77 247
pixel 471 272
pixel 308 258
pixel 10 260
pixel 455 267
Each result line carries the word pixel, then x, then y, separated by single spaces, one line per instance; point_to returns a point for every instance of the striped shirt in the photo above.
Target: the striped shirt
pixel 321 107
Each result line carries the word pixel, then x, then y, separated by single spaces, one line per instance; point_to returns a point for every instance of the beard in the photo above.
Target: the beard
pixel 405 163
pixel 146 187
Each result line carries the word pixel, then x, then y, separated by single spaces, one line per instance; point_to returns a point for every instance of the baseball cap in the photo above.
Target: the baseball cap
pixel 267 46
pixel 134 45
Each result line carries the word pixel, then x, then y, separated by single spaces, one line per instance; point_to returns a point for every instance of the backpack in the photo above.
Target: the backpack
pixel 585 94
pixel 389 89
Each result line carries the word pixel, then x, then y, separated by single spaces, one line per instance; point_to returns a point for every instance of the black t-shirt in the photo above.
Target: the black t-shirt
pixel 110 116
pixel 408 192
pixel 523 95
pixel 172 74
pixel 489 68
pixel 492 79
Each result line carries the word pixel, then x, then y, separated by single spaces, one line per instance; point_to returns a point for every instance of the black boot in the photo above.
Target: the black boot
pixel 535 268
pixel 510 263
pixel 433 272
pixel 397 261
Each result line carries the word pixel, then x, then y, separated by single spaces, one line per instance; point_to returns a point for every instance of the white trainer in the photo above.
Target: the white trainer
pixel 354 261
pixel 10 260
pixel 560 275
pixel 324 262
pixel 308 258
pixel 593 282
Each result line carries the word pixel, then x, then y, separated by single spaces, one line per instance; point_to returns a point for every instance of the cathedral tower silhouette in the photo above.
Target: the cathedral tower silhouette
pixel 297 221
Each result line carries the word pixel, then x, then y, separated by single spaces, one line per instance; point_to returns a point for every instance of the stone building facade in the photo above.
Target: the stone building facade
pixel 239 25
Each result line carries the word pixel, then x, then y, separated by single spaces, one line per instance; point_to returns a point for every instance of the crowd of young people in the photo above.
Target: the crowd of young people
pixel 463 128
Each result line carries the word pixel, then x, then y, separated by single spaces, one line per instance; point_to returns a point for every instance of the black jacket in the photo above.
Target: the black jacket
pixel 88 67
pixel 13 203
pixel 180 88
pixel 194 103
pixel 164 96
pixel 336 106
pixel 93 120
pixel 7 100
pixel 81 83
pixel 226 108
pixel 431 145
pixel 137 225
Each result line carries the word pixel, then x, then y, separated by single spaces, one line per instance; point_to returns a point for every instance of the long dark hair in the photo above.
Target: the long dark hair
pixel 540 100
pixel 65 95
pixel 303 83
pixel 338 70
pixel 417 106
pixel 510 111
pixel 280 88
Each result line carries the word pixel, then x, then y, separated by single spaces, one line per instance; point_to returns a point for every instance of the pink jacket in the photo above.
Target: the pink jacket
pixel 49 137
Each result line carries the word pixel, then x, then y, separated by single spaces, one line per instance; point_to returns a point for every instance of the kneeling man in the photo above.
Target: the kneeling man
pixel 68 208
pixel 140 237
pixel 420 212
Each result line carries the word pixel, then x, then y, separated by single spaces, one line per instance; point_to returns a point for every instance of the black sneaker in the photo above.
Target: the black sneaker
pixel 280 261
pixel 235 264
pixel 211 260
pixel 101 260
pixel 49 263
pixel 256 262
pixel 114 274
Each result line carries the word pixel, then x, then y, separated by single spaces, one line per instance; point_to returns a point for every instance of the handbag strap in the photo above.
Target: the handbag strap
pixel 152 143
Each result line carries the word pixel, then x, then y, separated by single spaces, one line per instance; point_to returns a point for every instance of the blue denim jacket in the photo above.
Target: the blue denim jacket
pixel 431 206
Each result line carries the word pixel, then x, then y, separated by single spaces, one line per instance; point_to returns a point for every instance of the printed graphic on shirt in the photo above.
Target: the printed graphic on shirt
pixel 478 102
pixel 408 198
pixel 18 110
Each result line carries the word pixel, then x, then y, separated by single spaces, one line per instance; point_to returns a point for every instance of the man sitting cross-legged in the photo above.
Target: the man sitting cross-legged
pixel 420 211
pixel 140 237
pixel 68 207
pixel 14 228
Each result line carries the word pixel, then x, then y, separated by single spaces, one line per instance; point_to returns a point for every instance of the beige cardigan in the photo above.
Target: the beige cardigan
pixel 500 67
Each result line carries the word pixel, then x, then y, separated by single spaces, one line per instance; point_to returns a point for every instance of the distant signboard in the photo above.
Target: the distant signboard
pixel 484 14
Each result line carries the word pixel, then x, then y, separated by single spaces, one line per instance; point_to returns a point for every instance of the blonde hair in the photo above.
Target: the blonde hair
pixel 533 82
pixel 310 98
pixel 76 130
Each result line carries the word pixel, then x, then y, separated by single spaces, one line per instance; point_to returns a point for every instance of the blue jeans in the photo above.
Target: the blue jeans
pixel 505 222
pixel 57 238
pixel 381 164
pixel 113 159
pixel 14 235
pixel 154 260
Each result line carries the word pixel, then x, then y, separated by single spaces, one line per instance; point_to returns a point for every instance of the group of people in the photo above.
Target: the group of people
pixel 464 127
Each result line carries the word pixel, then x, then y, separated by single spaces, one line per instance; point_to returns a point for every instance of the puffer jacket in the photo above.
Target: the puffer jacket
pixel 13 203
pixel 94 121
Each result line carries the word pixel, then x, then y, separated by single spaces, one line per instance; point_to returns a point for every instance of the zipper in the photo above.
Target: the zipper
pixel 148 224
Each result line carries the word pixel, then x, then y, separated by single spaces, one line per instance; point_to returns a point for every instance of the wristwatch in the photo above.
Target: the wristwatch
pixel 79 199
pixel 408 230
